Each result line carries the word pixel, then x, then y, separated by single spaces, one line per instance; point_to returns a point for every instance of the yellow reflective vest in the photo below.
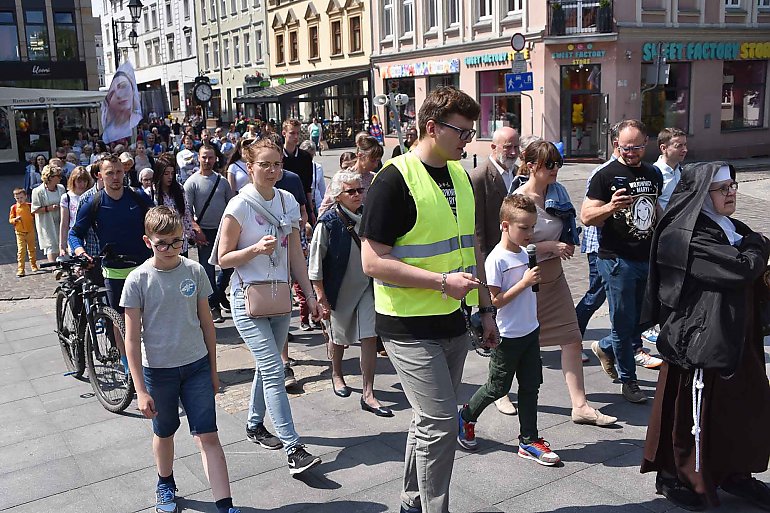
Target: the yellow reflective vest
pixel 438 242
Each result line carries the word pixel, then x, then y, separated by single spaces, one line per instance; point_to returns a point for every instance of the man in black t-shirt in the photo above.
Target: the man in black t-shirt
pixel 297 160
pixel 622 199
pixel 417 303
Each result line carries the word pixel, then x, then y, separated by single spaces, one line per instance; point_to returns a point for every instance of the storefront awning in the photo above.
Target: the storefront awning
pixel 301 86
pixel 43 98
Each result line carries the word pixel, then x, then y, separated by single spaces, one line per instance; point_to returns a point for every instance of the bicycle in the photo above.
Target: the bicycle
pixel 86 321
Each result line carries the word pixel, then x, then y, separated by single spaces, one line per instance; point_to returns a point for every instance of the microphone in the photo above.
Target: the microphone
pixel 531 250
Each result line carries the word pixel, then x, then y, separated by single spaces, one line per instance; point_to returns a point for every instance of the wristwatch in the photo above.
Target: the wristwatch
pixel 488 309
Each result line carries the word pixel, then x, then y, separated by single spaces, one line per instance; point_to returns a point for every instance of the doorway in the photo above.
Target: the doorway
pixel 581 106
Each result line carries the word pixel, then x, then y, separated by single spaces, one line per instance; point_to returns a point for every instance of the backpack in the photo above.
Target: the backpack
pixel 96 203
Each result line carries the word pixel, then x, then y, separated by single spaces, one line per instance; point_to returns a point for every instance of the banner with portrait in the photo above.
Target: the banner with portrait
pixel 121 108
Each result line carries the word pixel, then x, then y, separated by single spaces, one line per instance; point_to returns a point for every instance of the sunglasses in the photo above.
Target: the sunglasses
pixel 351 192
pixel 550 165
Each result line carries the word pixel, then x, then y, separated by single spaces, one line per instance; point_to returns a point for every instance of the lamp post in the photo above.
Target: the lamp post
pixel 135 9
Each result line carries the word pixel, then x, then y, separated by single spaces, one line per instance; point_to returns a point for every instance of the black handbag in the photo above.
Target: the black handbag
pixel 764 304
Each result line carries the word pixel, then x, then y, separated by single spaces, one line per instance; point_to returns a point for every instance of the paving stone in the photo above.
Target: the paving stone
pixel 72 501
pixel 40 481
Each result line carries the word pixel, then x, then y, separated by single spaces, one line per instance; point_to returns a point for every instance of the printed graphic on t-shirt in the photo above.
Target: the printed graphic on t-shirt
pixel 187 287
pixel 640 217
pixel 449 193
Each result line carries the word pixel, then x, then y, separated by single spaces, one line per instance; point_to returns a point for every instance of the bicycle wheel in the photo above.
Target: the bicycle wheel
pixel 112 386
pixel 70 334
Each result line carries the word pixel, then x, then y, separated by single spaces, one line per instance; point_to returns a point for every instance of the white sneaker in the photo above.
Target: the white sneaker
pixel 505 406
pixel 647 361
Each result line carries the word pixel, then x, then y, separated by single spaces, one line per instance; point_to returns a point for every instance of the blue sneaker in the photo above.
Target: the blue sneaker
pixel 466 432
pixel 538 451
pixel 651 335
pixel 165 498
pixel 233 510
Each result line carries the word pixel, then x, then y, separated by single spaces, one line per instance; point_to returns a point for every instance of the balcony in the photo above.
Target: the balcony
pixel 569 17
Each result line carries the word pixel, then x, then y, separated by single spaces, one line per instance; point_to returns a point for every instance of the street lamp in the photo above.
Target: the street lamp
pixel 135 9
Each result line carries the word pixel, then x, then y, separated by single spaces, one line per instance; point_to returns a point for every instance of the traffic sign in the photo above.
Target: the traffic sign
pixel 517 82
pixel 519 65
pixel 518 41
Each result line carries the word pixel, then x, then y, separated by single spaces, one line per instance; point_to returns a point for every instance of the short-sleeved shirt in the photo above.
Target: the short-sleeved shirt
pixel 291 182
pixel 171 331
pixel 254 226
pixel 504 270
pixel 300 162
pixel 70 201
pixel 391 213
pixel 197 189
pixel 628 233
pixel 238 170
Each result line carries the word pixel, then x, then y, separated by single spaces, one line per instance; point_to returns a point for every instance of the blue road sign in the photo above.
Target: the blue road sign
pixel 517 82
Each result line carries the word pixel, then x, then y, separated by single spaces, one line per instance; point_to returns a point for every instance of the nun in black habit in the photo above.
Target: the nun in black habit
pixel 710 421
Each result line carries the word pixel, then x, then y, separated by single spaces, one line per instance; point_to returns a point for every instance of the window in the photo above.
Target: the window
pixel 187 9
pixel 66 34
pixel 733 3
pixel 203 11
pixel 408 111
pixel 154 17
pixel 667 105
pixel 148 48
pixel 336 37
pixel 233 6
pixel 170 47
pixel 223 9
pixel 246 48
pixel 257 4
pixel 169 14
pixel 431 18
pixel 226 52
pixel 213 10
pixel 313 42
pixel 188 43
pixel 453 12
pixel 156 50
pixel 215 50
pixel 244 5
pixel 258 42
pixel 485 9
pixel 435 81
pixel 206 60
pixel 743 94
pixel 9 37
pixel 236 51
pixel 280 51
pixel 408 12
pixel 293 46
pixel 515 6
pixel 355 34
pixel 498 108
pixel 387 18
pixel 37 36
pixel 146 12
pixel 763 4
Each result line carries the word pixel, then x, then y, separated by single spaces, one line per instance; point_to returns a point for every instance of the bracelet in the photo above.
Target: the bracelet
pixel 443 286
pixel 488 309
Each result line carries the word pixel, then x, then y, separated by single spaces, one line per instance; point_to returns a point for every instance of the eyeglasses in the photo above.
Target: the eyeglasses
pixel 727 189
pixel 630 149
pixel 268 165
pixel 466 135
pixel 351 192
pixel 163 246
pixel 553 164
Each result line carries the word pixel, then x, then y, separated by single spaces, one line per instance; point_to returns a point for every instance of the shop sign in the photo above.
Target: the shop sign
pixel 710 50
pixel 418 69
pixel 493 59
pixel 579 54
pixel 43 70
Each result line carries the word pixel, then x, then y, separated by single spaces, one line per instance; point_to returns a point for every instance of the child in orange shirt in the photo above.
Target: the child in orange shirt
pixel 24 224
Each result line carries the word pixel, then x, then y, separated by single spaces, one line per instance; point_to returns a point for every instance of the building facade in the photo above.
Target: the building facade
pixel 591 66
pixel 165 58
pixel 45 44
pixel 319 65
pixel 233 52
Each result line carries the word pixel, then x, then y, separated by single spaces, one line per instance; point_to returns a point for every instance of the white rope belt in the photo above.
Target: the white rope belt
pixel 697 401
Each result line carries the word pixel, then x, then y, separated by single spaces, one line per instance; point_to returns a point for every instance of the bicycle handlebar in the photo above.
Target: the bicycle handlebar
pixel 48 264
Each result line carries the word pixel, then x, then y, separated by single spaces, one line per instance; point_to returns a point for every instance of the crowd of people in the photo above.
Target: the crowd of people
pixel 396 257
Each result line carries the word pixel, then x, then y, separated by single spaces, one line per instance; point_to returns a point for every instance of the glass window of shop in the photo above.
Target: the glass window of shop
pixel 37 35
pixel 743 94
pixel 66 34
pixel 9 37
pixel 435 81
pixel 498 108
pixel 408 112
pixel 667 105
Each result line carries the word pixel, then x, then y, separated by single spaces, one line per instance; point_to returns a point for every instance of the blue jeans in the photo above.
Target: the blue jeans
pixel 265 338
pixel 625 282
pixel 220 281
pixel 594 296
pixel 192 385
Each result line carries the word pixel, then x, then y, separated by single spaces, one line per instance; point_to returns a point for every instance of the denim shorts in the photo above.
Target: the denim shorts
pixel 192 384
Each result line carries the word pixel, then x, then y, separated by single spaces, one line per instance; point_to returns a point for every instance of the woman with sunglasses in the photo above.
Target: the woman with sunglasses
pixel 345 293
pixel 167 191
pixel 368 155
pixel 555 237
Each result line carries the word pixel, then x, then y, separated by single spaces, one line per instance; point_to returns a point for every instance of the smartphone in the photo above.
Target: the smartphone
pixel 621 182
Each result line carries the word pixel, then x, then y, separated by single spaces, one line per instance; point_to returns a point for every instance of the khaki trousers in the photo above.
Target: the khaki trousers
pixel 25 245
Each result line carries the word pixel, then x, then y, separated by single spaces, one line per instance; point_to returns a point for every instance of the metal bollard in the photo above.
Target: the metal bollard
pixel 475 161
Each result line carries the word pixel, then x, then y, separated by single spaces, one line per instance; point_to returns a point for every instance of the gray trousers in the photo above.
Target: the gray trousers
pixel 430 372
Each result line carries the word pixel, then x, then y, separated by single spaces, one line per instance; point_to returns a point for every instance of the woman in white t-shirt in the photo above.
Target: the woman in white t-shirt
pixel 237 173
pixel 79 182
pixel 259 236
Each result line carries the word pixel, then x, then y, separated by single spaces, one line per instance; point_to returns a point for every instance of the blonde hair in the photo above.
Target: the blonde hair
pixel 162 221
pixel 79 173
pixel 48 171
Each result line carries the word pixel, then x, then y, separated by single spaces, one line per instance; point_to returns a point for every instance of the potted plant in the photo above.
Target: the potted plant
pixel 558 20
pixel 604 16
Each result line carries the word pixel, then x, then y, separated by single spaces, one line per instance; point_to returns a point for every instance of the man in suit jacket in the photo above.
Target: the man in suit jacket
pixel 491 183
